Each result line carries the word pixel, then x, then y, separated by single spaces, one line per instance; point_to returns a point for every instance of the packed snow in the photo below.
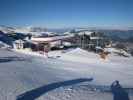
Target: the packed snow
pixel 73 74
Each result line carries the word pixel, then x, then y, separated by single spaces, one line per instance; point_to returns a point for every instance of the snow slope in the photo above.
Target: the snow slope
pixel 104 71
pixel 63 78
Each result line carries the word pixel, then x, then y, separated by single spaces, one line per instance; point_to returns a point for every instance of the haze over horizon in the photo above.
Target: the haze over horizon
pixel 67 13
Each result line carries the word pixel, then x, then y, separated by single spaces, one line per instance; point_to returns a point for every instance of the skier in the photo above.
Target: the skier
pixel 118 92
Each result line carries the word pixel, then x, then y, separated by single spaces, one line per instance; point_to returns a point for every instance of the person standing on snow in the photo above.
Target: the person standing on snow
pixel 118 92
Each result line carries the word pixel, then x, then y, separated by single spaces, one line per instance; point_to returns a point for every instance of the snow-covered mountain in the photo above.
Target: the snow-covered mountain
pixel 28 29
pixel 5 39
pixel 115 34
pixel 67 77
pixel 6 29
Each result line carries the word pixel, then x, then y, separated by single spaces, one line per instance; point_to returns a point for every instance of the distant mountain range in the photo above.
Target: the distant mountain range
pixel 7 29
pixel 119 35
pixel 114 34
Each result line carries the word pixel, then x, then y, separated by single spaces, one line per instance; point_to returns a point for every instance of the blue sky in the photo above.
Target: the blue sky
pixel 67 13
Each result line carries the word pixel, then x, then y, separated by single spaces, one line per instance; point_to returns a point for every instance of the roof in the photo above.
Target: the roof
pixel 85 33
pixel 19 41
pixel 80 32
pixel 50 39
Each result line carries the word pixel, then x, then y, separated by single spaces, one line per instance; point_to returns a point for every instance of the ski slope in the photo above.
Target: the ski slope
pixel 63 78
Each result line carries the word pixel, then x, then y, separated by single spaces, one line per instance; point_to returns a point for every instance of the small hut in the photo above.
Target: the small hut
pixel 18 44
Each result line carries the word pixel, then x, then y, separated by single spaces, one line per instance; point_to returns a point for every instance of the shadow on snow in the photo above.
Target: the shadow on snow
pixel 35 93
pixel 11 58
